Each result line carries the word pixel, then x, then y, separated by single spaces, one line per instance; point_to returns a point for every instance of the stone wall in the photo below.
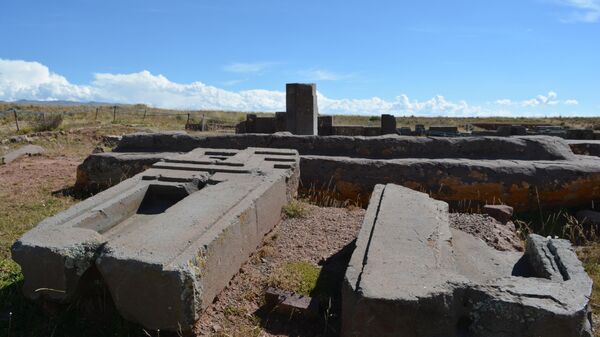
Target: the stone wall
pixel 524 172
pixel 463 183
pixel 382 147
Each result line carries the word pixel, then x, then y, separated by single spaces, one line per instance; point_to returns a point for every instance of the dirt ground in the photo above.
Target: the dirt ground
pixel 323 238
pixel 305 254
pixel 26 174
pixel 500 236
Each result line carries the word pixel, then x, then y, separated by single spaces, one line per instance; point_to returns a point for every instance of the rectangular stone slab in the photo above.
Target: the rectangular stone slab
pixel 166 241
pixel 411 275
pixel 27 150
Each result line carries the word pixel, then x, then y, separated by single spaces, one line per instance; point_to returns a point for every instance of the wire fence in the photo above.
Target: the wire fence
pixel 22 120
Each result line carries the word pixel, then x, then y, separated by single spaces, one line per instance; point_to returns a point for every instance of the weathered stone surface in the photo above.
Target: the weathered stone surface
pixel 111 140
pixel 411 275
pixel 27 150
pixel 388 124
pixel 288 303
pixel 166 241
pixel 102 170
pixel 382 147
pixel 301 108
pixel 464 183
pixel 502 213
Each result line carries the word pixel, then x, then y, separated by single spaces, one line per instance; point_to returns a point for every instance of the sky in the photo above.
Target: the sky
pixel 424 58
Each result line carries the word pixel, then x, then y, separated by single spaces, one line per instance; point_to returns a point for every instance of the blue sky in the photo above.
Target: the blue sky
pixel 510 57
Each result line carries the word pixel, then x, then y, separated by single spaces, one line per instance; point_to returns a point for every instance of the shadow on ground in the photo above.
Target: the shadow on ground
pixel 73 192
pixel 328 293
pixel 90 314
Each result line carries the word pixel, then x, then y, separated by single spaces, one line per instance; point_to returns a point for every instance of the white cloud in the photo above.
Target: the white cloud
pixel 571 102
pixel 587 11
pixel 248 67
pixel 549 99
pixel 34 81
pixel 322 75
pixel 504 101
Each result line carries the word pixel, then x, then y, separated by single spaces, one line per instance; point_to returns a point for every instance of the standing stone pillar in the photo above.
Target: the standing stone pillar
pixel 302 109
pixel 388 124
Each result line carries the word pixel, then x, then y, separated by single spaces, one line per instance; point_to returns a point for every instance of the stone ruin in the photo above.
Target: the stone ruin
pixel 524 172
pixel 166 241
pixel 181 213
pixel 412 275
pixel 302 118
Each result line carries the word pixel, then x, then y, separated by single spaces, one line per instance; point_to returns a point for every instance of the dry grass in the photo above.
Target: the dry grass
pixel 295 209
pixel 143 116
pixel 560 223
pixel 327 196
pixel 590 256
pixel 137 115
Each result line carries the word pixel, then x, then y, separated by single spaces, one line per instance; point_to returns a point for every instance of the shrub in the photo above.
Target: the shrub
pixel 47 123
pixel 295 209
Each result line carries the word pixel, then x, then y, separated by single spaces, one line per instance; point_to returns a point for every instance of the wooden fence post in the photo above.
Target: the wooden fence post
pixel 96 117
pixel 16 119
pixel 143 119
pixel 202 122
pixel 188 120
pixel 114 113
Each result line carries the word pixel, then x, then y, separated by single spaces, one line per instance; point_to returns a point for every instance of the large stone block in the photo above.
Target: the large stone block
pixel 523 172
pixel 388 124
pixel 412 275
pixel 382 147
pixel 166 241
pixel 464 183
pixel 302 109
pixel 27 150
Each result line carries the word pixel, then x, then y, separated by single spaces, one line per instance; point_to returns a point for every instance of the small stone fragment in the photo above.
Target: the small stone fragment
pixel 502 213
pixel 286 302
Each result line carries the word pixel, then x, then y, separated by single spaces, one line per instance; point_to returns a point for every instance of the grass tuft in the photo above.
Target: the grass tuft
pixel 299 277
pixel 295 209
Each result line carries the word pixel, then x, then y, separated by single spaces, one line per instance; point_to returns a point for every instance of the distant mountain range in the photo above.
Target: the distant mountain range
pixel 58 103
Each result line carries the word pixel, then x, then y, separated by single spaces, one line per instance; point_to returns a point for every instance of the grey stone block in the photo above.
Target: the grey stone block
pixel 464 183
pixel 166 241
pixel 388 124
pixel 502 213
pixel 27 150
pixel 301 108
pixel 382 147
pixel 411 275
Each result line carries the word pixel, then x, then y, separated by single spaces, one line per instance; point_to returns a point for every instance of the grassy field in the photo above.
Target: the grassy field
pixel 141 115
pixel 35 188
